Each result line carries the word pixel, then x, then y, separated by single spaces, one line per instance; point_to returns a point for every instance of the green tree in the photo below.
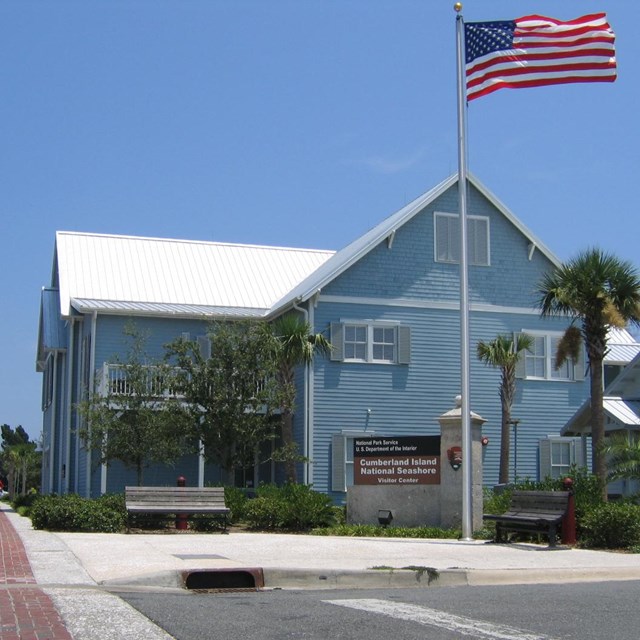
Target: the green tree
pixel 11 436
pixel 597 290
pixel 20 461
pixel 229 397
pixel 504 353
pixel 296 346
pixel 136 420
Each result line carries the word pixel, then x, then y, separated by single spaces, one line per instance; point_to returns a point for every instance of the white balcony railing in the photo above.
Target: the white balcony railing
pixel 113 379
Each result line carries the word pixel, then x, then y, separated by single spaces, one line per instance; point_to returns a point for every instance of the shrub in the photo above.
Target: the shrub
pixel 293 507
pixel 201 522
pixel 236 499
pixel 377 531
pixel 24 502
pixel 72 513
pixel 611 525
pixel 496 501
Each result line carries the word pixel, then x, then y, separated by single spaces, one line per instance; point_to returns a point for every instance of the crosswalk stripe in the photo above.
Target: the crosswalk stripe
pixel 433 617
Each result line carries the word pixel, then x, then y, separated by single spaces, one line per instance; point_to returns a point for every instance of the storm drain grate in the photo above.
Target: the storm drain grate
pixel 213 591
pixel 217 580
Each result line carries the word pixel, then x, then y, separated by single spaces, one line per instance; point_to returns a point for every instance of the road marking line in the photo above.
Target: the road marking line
pixel 424 615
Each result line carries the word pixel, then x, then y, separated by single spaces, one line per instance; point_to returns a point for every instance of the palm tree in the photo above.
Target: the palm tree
pixel 623 456
pixel 297 346
pixel 597 290
pixel 505 352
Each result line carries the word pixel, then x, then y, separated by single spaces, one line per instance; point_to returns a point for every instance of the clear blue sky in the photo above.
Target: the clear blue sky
pixel 286 122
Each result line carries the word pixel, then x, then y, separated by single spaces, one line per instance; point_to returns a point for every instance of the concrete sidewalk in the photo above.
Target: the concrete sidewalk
pixel 159 560
pixel 82 571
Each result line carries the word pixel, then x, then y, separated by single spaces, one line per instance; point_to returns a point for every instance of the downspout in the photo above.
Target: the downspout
pixel 92 369
pixel 70 356
pixel 307 475
pixel 79 392
pixel 53 408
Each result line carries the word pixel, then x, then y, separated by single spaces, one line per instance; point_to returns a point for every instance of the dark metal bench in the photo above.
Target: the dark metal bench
pixel 532 512
pixel 176 500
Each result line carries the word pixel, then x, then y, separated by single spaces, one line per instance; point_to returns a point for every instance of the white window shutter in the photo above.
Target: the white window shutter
pixel 337 341
pixel 578 453
pixel 545 458
pixel 478 241
pixel 521 365
pixel 338 461
pixel 447 233
pixel 204 345
pixel 404 344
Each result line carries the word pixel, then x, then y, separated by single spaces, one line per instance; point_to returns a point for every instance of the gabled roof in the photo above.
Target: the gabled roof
pixel 157 275
pixel 353 252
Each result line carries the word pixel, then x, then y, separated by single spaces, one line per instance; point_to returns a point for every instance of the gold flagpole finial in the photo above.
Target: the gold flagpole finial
pixel 458 7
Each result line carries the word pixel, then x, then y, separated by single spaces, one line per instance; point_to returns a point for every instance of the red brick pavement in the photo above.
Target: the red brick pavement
pixel 26 611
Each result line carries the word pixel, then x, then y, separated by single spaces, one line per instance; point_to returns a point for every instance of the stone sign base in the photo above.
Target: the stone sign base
pixel 417 505
pixel 438 505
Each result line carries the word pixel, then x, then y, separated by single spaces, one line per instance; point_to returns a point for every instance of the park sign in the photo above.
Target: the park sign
pixel 405 460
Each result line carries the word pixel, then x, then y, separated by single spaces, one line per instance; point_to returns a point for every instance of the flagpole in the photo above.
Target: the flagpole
pixel 467 471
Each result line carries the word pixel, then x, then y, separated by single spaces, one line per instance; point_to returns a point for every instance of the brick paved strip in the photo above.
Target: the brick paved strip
pixel 26 612
pixel 14 565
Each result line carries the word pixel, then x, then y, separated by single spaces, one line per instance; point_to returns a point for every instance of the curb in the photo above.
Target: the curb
pixel 385 578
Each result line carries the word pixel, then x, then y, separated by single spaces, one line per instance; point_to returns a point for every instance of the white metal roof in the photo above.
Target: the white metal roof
pixel 625 412
pixel 621 347
pixel 85 305
pixel 626 386
pixel 147 273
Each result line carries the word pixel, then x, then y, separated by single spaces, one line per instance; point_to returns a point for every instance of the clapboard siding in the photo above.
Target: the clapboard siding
pixel 408 399
pixel 112 342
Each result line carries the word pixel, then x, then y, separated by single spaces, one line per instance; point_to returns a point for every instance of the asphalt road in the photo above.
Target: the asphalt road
pixel 588 611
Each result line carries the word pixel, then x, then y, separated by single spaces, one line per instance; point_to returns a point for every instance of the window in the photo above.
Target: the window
pixel 447 239
pixel 558 455
pixel 47 385
pixel 539 362
pixel 355 342
pixel 342 459
pixel 377 342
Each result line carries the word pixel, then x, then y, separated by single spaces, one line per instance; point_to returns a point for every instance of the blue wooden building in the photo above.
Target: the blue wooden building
pixel 389 302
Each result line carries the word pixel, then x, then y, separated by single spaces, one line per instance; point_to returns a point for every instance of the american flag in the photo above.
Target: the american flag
pixel 534 51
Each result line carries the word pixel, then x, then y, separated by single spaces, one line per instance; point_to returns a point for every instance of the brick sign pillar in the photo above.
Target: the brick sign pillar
pixel 451 477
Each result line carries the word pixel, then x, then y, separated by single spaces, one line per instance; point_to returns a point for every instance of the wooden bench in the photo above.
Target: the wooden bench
pixel 176 500
pixel 532 512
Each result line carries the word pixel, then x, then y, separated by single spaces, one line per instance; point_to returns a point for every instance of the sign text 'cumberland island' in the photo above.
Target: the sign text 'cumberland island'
pixel 404 460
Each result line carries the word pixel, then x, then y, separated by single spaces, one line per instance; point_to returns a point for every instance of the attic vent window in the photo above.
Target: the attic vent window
pixel 447 239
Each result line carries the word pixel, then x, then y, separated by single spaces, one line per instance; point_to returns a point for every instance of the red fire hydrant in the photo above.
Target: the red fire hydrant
pixel 181 518
pixel 569 519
